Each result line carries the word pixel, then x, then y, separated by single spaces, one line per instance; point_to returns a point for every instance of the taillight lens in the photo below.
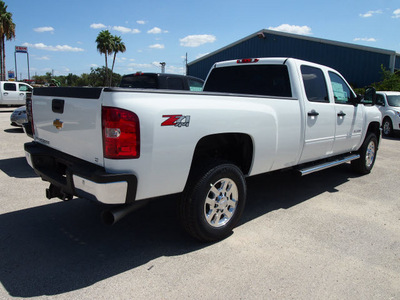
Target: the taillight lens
pixel 29 111
pixel 121 133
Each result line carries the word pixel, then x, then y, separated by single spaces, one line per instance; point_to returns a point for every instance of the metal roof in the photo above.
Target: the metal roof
pixel 301 37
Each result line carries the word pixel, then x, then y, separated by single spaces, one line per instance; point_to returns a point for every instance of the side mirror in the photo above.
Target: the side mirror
pixel 370 95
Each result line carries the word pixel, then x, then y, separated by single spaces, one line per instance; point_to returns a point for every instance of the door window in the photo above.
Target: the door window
pixel 195 85
pixel 314 84
pixel 24 88
pixel 10 86
pixel 341 91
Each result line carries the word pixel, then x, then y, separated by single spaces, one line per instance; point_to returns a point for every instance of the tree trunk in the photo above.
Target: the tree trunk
pixel 106 81
pixel 1 59
pixel 112 68
pixel 4 61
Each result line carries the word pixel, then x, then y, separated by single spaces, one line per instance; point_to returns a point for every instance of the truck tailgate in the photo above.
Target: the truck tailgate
pixel 69 119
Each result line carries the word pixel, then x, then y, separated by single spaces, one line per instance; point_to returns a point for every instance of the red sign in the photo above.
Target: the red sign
pixel 21 49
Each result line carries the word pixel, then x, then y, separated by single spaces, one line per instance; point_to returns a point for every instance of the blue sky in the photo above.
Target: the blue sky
pixel 60 34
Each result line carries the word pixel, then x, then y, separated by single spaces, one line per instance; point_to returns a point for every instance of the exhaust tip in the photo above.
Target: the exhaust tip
pixel 108 218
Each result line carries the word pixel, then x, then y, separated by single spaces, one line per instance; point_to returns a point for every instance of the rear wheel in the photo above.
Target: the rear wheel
pixel 367 152
pixel 213 201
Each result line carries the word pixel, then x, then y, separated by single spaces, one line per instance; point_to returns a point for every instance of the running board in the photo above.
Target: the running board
pixel 326 165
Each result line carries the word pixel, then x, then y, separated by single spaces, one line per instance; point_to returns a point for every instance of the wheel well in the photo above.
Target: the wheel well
pixel 234 147
pixel 375 128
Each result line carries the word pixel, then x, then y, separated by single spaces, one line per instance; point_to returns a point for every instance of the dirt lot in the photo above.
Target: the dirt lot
pixel 329 235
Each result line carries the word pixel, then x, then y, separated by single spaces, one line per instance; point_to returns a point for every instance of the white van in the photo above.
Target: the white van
pixel 13 93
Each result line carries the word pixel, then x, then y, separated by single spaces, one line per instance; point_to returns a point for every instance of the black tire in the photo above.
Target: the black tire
pixel 213 201
pixel 367 152
pixel 387 127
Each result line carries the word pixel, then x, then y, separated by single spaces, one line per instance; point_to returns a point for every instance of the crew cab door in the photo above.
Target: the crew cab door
pixel 349 116
pixel 320 115
pixel 10 93
pixel 22 90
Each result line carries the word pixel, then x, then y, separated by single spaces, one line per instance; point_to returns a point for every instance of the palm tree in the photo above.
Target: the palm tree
pixel 104 46
pixel 7 32
pixel 117 46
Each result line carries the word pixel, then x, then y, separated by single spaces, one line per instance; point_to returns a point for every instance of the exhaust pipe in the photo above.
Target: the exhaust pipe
pixel 112 216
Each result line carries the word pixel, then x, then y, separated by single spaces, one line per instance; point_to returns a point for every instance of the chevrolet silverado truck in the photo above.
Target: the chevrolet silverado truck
pixel 123 146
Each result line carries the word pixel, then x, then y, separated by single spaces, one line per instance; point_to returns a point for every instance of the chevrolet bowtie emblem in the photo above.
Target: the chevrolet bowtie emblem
pixel 58 124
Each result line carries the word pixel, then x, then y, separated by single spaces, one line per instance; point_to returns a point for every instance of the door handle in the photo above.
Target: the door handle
pixel 21 94
pixel 341 114
pixel 5 94
pixel 312 113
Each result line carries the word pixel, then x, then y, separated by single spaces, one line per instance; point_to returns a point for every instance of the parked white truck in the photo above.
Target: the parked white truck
pixel 13 93
pixel 123 146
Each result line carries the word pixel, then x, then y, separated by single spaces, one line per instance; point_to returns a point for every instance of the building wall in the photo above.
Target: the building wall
pixel 358 66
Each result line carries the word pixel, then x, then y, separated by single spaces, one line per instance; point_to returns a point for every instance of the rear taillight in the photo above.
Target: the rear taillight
pixel 29 111
pixel 121 133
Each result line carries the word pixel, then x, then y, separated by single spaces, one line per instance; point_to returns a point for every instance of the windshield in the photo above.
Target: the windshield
pixel 394 101
pixel 141 81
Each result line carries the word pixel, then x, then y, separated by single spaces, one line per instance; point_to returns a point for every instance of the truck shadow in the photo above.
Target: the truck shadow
pixel 17 168
pixel 14 130
pixel 61 247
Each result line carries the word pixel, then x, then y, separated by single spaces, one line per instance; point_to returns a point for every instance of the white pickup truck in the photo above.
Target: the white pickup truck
pixel 123 146
pixel 13 93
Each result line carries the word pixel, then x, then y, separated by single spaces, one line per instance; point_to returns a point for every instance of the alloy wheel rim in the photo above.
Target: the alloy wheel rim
pixel 221 202
pixel 370 154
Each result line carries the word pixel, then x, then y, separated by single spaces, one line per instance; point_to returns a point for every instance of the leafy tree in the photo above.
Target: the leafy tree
pixel 104 46
pixel 390 81
pixel 117 46
pixel 7 32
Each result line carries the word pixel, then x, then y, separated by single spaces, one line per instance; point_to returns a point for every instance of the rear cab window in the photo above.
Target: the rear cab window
pixel 140 81
pixel 265 80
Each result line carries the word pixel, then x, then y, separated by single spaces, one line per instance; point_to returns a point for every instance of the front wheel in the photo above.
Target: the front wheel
pixel 367 152
pixel 213 201
pixel 387 127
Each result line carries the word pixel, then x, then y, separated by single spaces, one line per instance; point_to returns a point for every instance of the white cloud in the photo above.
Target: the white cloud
pixel 44 29
pixel 396 13
pixel 197 40
pixel 304 30
pixel 123 29
pixel 140 66
pixel 155 30
pixel 157 46
pixel 365 39
pixel 58 48
pixel 42 58
pixel 97 26
pixel 370 13
pixel 141 22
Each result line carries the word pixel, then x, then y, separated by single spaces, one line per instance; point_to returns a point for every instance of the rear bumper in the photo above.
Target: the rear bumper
pixel 75 177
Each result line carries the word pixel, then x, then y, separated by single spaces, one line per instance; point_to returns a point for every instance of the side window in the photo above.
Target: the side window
pixel 175 83
pixel 10 86
pixel 380 100
pixel 24 88
pixel 314 84
pixel 341 90
pixel 195 85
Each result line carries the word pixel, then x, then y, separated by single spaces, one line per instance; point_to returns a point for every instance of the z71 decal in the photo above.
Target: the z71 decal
pixel 176 120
